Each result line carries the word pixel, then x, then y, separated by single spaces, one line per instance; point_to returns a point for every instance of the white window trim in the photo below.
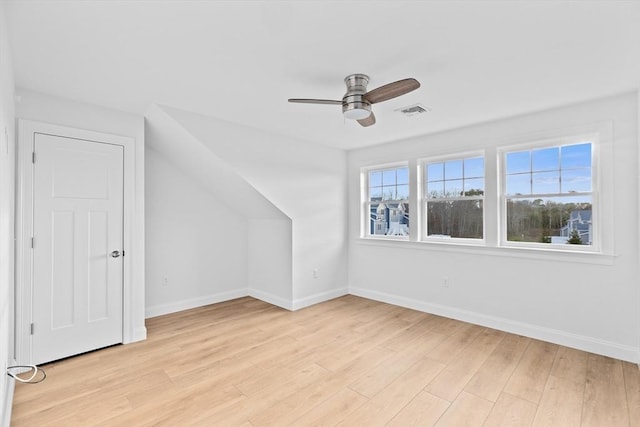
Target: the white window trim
pixel 601 252
pixel 423 199
pixel 595 139
pixel 364 201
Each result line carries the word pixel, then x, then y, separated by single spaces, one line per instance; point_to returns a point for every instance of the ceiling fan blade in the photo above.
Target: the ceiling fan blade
pixel 371 120
pixel 392 90
pixel 315 101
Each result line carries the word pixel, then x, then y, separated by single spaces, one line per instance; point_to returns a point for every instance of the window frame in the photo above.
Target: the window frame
pixel 365 204
pixel 602 250
pixel 424 199
pixel 579 138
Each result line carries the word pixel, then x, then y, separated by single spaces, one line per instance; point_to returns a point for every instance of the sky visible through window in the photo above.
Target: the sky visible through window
pixel 554 170
pixel 455 178
pixel 389 184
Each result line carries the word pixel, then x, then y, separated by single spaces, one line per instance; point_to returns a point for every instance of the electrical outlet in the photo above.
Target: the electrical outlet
pixel 165 281
pixel 315 273
pixel 445 282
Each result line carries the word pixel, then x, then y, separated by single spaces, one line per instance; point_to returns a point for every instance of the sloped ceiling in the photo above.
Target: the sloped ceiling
pixel 168 137
pixel 240 60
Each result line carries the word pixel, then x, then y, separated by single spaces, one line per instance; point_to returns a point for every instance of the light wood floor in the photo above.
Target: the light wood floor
pixel 349 362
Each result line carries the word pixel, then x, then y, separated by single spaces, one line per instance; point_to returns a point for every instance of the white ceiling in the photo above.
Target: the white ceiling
pixel 240 60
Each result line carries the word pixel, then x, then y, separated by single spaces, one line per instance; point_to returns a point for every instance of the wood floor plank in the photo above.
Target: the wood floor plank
pixel 467 411
pixel 511 411
pixel 450 382
pixel 447 326
pixel 295 405
pixel 305 399
pixel 246 409
pixel 264 378
pixel 375 334
pixel 331 411
pixel 309 333
pixel 202 404
pixel 493 375
pixel 530 376
pixel 387 403
pixel 143 388
pixel 424 410
pixel 632 386
pixel 385 373
pixel 237 365
pixel 365 364
pixel 404 338
pixel 563 396
pixel 605 403
pixel 247 363
pixel 456 343
pixel 375 311
pixel 561 403
pixel 570 364
pixel 100 406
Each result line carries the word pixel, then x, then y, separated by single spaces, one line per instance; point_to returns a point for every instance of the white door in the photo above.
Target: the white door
pixel 77 248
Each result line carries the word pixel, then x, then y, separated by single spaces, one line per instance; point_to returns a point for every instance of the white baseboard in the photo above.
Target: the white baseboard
pixel 160 309
pixel 318 298
pixel 271 299
pixel 581 342
pixel 139 334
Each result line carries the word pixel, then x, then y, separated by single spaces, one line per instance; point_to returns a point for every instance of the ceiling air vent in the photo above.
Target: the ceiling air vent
pixel 413 110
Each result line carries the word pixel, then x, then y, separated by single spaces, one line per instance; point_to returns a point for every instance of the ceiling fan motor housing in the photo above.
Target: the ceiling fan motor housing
pixel 354 104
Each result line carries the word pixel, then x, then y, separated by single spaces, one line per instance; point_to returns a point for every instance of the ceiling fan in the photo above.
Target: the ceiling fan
pixel 356 103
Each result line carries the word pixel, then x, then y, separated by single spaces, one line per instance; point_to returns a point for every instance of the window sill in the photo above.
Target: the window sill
pixel 480 249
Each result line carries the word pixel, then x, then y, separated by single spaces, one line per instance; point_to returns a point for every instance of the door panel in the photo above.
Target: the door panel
pixel 78 222
pixel 98 266
pixel 62 277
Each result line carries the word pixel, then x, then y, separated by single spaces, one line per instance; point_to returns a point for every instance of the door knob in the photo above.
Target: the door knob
pixel 115 254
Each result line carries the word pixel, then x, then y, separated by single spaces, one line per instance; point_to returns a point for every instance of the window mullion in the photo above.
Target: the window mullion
pixel 415 209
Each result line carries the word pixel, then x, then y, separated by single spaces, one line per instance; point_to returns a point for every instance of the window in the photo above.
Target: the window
pixel 548 195
pixel 545 195
pixel 387 202
pixel 453 198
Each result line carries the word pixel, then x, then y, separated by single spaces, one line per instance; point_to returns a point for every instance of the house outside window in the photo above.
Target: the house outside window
pixel 548 195
pixel 387 201
pixel 453 198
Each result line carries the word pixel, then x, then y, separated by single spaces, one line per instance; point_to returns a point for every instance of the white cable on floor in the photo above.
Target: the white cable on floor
pixel 29 380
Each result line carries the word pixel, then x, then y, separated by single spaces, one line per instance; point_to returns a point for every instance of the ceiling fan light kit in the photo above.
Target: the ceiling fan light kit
pixel 356 102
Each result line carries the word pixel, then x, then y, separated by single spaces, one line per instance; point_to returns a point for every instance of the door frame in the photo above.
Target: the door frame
pixel 27 130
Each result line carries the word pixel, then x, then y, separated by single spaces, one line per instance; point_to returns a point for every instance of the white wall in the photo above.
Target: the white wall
pixel 194 240
pixel 307 182
pixel 230 196
pixel 7 201
pixel 50 109
pixel 270 261
pixel 589 302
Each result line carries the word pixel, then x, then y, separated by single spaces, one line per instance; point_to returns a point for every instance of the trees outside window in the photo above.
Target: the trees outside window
pixel 453 198
pixel 548 194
